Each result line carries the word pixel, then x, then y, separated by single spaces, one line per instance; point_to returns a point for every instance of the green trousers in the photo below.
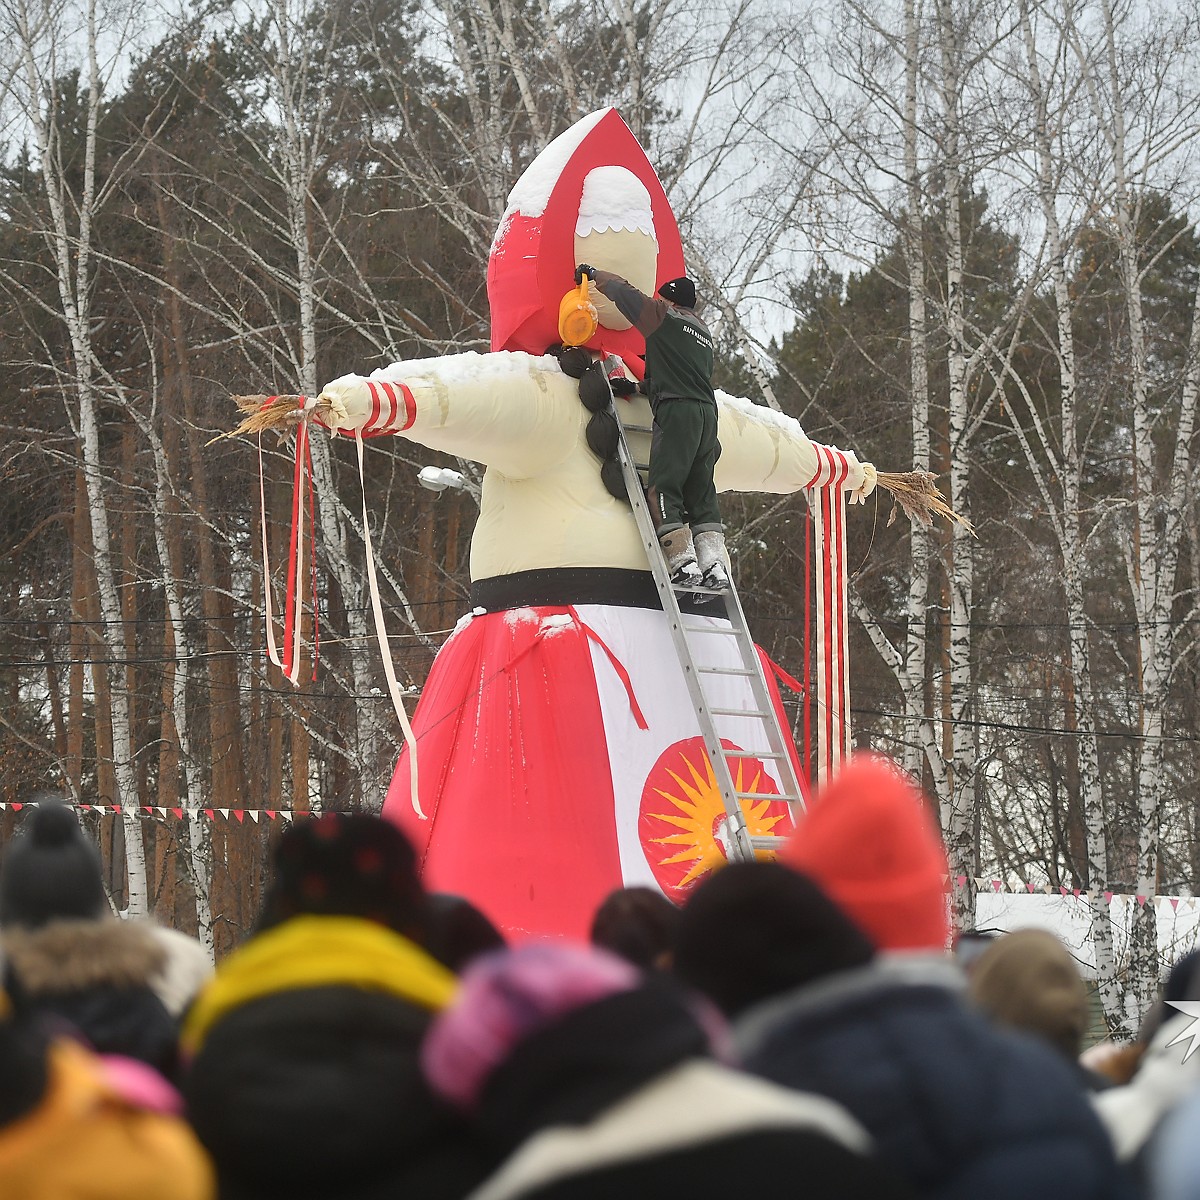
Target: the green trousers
pixel 683 452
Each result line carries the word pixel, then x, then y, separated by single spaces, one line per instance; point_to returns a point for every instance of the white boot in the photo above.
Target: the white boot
pixel 712 559
pixel 681 557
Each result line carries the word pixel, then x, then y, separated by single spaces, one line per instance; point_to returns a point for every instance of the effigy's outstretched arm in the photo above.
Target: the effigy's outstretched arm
pixel 766 451
pixel 503 410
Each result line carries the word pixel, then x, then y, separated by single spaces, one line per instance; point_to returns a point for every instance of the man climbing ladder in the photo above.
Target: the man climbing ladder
pixel 684 448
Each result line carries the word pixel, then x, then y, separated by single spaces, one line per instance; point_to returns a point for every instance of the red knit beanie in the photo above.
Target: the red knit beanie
pixel 871 844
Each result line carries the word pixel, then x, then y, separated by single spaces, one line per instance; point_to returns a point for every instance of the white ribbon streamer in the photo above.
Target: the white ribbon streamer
pixel 389 670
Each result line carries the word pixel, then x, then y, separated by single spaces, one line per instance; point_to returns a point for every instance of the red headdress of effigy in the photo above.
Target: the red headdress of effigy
pixel 533 253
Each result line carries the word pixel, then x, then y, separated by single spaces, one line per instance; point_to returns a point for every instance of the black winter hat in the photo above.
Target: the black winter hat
pixel 457 931
pixel 345 865
pixel 638 924
pixel 681 291
pixel 51 871
pixel 757 930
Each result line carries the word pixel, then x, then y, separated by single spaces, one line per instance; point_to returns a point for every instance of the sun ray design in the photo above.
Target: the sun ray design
pixel 683 816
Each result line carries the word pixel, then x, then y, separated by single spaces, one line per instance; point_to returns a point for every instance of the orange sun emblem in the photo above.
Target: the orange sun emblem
pixel 682 822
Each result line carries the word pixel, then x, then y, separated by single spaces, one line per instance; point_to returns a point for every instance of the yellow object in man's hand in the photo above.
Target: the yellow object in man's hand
pixel 577 316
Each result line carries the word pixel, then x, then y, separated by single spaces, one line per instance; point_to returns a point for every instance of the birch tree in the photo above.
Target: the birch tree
pixel 47 41
pixel 901 111
pixel 1134 82
pixel 1049 144
pixel 294 255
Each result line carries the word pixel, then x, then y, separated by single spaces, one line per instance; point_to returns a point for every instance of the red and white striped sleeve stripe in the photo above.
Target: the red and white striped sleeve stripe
pixel 833 467
pixel 393 408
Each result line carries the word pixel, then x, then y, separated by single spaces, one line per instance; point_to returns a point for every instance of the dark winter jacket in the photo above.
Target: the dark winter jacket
pixel 679 345
pixel 95 978
pixel 305 1081
pixel 617 1099
pixel 962 1109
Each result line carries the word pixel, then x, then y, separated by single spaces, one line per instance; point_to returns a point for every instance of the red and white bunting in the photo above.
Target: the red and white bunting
pixel 158 812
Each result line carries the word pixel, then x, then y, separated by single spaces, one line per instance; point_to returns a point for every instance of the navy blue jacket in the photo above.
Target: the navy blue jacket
pixel 958 1107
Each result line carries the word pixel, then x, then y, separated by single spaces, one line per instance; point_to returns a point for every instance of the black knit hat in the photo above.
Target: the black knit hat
pixel 456 932
pixel 51 871
pixel 348 865
pixel 756 930
pixel 639 924
pixel 681 291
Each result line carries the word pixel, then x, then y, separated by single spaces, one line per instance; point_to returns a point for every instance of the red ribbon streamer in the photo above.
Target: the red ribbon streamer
pixel 808 618
pixel 302 481
pixel 289 611
pixel 312 557
pixel 619 667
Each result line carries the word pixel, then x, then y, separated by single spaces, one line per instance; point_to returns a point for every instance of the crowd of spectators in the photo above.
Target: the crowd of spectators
pixel 800 1027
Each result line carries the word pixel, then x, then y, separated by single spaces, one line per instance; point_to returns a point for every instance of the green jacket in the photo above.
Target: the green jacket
pixel 679 346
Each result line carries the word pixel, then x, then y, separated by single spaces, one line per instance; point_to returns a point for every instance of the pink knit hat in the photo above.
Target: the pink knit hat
pixel 506 997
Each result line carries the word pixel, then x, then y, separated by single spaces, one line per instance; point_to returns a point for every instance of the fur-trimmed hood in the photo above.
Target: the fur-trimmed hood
pixel 75 956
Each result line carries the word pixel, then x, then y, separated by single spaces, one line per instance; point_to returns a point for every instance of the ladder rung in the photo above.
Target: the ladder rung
pixel 765 796
pixel 724 671
pixel 637 428
pixel 641 466
pixel 754 753
pixel 752 713
pixel 767 842
pixel 726 630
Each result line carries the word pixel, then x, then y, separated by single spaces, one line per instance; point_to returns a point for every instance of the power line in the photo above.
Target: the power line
pixel 66 622
pixel 1015 727
pixel 41 664
pixel 1130 624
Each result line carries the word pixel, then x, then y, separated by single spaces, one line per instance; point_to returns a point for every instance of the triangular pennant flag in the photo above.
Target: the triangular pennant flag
pixel 16 807
pixel 85 807
pixel 3 805
pixel 288 816
pixel 252 813
pixel 209 813
pixel 1077 892
pixel 178 813
pixel 159 811
pixel 224 812
pixel 1175 903
pixel 945 880
pixel 1141 901
pixel 1108 897
pixel 1063 890
pixel 270 812
pixel 995 885
pixel 980 883
pixel 147 810
pixel 240 813
pixel 1029 888
pixel 960 881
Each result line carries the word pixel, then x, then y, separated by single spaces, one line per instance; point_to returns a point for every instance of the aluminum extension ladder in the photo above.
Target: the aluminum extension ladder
pixel 688 637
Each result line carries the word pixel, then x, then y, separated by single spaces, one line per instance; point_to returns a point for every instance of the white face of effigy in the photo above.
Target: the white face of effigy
pixel 615 232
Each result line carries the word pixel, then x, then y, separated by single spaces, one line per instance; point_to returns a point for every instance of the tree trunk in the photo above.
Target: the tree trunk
pixel 960 839
pixel 913 679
